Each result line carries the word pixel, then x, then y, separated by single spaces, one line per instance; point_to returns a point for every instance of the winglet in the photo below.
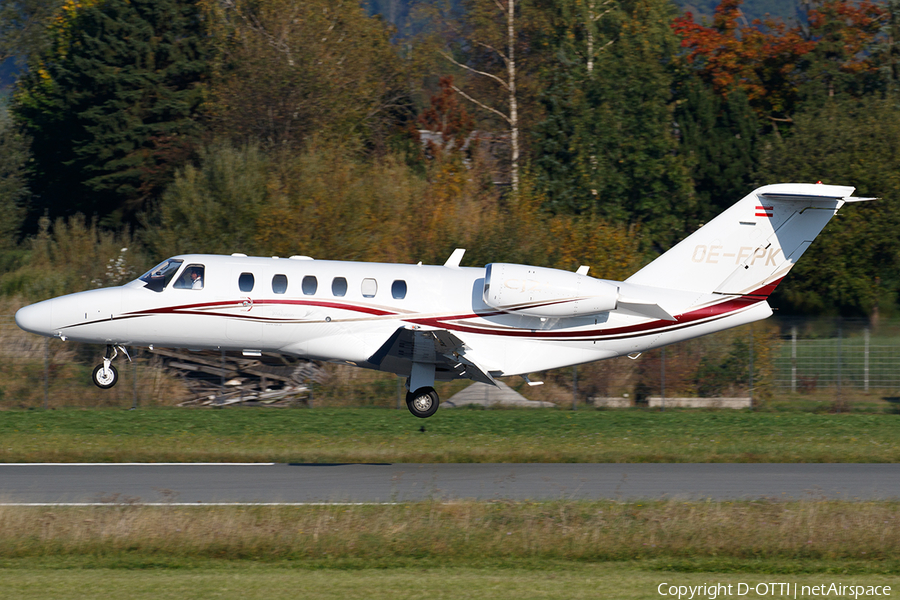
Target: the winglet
pixel 455 258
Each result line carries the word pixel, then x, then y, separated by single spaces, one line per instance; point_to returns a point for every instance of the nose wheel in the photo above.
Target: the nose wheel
pixel 105 374
pixel 423 402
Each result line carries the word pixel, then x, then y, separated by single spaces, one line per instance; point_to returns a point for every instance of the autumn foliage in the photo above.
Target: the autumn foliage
pixel 769 60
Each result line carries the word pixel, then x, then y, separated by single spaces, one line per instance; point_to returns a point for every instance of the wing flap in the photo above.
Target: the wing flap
pixel 450 355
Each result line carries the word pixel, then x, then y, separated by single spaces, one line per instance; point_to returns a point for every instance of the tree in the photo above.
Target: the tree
pixel 841 59
pixel 14 192
pixel 887 49
pixel 212 208
pixel 852 269
pixel 721 140
pixel 489 30
pixel 761 59
pixel 607 144
pixel 287 70
pixel 576 34
pixel 24 28
pixel 447 118
pixel 780 67
pixel 112 106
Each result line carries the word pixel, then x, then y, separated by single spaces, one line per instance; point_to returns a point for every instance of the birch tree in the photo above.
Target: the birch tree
pixel 595 11
pixel 490 31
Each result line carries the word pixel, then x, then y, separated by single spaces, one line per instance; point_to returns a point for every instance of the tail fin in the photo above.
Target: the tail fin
pixel 749 248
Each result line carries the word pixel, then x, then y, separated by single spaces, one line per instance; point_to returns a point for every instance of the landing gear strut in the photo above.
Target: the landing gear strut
pixel 105 375
pixel 423 402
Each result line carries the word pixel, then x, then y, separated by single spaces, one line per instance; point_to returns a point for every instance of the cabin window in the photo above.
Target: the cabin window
pixel 279 284
pixel 246 281
pixel 339 286
pixel 369 287
pixel 398 289
pixel 191 278
pixel 309 285
pixel 159 276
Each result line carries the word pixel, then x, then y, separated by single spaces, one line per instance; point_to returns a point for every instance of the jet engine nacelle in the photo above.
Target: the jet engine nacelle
pixel 543 292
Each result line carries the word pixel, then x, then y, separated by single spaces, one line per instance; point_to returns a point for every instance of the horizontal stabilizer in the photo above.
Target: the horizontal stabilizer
pixel 643 309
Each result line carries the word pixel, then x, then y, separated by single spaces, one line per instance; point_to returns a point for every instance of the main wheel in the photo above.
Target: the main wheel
pixel 423 402
pixel 105 378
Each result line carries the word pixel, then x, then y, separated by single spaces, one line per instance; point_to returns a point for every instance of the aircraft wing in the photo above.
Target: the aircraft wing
pixel 430 346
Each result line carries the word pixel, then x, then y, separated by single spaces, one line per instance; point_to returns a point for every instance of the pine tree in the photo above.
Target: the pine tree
pixel 720 139
pixel 111 108
pixel 14 192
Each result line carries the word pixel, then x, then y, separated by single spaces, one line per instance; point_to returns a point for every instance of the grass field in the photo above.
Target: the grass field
pixel 443 550
pixel 383 435
pixel 625 581
pixel 773 537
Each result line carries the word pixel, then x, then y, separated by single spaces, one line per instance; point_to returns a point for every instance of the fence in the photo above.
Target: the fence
pixel 770 359
pixel 840 355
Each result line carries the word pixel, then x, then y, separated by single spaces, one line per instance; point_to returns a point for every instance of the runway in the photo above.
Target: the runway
pixel 373 483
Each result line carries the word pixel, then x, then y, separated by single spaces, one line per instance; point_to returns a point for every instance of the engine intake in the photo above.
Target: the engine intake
pixel 542 292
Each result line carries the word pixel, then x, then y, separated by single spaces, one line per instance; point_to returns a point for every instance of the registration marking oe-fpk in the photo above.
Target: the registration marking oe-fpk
pixel 713 254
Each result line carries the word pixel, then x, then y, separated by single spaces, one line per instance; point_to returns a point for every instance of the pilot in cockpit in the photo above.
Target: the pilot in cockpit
pixel 196 278
pixel 191 278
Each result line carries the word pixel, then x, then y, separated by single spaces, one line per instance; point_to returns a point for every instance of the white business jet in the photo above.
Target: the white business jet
pixel 429 323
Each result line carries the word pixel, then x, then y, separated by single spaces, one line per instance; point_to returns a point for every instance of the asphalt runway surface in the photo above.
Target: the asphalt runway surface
pixel 400 482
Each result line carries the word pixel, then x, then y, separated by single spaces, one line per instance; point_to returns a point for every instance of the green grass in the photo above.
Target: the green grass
pixel 626 581
pixel 383 435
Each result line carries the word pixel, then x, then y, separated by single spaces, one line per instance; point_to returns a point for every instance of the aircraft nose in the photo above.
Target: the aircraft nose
pixel 37 318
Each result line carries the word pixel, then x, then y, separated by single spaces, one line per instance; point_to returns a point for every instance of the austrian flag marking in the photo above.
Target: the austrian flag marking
pixel 765 211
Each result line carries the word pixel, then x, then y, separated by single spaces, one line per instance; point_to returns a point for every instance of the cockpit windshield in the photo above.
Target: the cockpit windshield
pixel 159 276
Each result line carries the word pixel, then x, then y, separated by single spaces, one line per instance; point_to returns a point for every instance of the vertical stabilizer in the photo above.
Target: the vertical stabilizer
pixel 749 248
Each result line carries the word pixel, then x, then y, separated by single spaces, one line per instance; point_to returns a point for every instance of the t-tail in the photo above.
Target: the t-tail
pixel 748 249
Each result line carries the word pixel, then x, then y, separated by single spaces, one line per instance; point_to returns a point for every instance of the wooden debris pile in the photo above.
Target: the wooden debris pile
pixel 219 379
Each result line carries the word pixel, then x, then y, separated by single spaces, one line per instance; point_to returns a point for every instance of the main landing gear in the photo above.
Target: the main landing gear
pixel 105 375
pixel 423 402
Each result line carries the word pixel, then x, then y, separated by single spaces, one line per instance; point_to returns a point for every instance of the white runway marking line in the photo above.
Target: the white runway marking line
pixel 138 504
pixel 140 464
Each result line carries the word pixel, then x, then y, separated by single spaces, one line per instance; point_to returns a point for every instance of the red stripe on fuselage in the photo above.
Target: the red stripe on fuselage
pixel 708 313
pixel 194 309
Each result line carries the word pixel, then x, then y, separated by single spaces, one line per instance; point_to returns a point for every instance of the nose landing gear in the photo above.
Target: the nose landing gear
pixel 105 375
